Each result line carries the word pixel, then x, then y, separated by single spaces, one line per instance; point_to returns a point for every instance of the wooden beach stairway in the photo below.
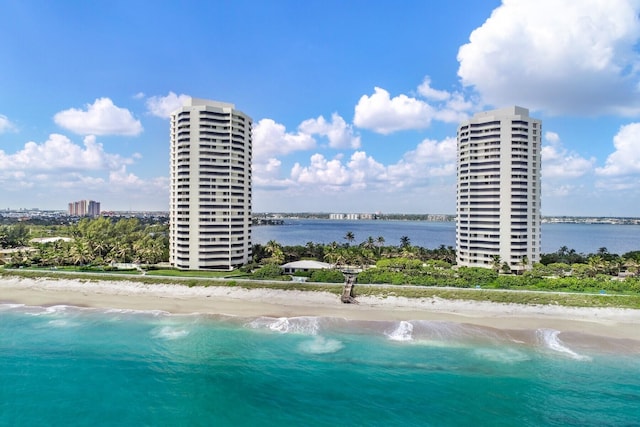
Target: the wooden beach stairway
pixel 348 293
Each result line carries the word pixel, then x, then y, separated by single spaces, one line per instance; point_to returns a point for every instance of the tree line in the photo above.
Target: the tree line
pixel 103 241
pixel 98 241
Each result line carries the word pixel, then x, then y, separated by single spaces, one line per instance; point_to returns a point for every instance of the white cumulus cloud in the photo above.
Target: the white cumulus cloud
pixel 163 106
pixel 339 133
pixel 558 162
pixel 329 173
pixel 5 124
pixel 562 56
pixel 60 153
pixel 383 114
pixel 322 174
pixel 430 159
pixel 271 139
pixel 58 170
pixel 266 175
pixel 365 170
pixel 626 157
pixel 122 178
pixel 552 137
pixel 100 118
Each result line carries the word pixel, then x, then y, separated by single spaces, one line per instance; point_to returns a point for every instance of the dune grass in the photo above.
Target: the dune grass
pixel 488 295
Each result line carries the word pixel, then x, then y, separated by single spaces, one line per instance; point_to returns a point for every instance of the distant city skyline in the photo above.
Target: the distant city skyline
pixel 84 208
pixel 347 118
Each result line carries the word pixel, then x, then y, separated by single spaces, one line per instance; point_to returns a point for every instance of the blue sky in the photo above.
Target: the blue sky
pixel 355 104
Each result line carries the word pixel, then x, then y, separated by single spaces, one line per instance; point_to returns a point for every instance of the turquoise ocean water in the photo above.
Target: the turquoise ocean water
pixel 73 366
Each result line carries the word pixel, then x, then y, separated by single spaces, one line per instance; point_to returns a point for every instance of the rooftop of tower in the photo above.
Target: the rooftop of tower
pixel 192 102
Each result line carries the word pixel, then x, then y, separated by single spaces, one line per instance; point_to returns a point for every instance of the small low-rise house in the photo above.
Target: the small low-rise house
pixel 50 239
pixel 304 266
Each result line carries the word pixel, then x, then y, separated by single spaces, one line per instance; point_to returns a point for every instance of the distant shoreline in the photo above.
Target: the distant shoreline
pixel 9 216
pixel 278 219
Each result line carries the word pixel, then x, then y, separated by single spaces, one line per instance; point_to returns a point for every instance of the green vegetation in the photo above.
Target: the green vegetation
pixel 13 236
pixel 94 242
pixel 97 246
pixel 403 271
pixel 502 296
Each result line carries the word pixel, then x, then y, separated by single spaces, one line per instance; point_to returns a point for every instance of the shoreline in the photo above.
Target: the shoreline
pixel 610 323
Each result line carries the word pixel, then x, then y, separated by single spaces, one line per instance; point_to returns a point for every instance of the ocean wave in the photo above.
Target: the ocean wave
pixel 169 333
pixel 285 325
pixel 8 306
pixel 502 355
pixel 549 339
pixel 403 332
pixel 321 345
pixel 36 310
pixel 62 323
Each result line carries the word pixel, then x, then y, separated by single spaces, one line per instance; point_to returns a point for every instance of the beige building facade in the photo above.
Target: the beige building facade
pixel 210 186
pixel 498 190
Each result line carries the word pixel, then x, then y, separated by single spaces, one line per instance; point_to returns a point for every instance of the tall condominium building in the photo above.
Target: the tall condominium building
pixel 210 184
pixel 84 208
pixel 498 190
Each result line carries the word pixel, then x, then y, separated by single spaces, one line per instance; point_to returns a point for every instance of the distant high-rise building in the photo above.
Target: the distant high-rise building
pixel 210 186
pixel 93 209
pixel 498 190
pixel 84 208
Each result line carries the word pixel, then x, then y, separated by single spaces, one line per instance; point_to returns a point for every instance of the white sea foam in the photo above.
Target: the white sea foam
pixel 502 355
pixel 285 325
pixel 403 332
pixel 62 323
pixel 549 339
pixel 321 345
pixel 169 333
pixel 7 307
pixel 439 343
pixel 59 308
pixel 36 310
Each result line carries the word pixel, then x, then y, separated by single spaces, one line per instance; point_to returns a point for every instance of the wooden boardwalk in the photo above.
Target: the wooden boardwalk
pixel 348 294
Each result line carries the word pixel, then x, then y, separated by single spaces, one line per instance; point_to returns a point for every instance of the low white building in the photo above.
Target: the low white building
pixel 304 265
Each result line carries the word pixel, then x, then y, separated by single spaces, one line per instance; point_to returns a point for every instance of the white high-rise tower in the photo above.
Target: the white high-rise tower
pixel 210 185
pixel 498 189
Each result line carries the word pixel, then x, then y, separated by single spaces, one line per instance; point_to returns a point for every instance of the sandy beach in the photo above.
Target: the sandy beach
pixel 607 323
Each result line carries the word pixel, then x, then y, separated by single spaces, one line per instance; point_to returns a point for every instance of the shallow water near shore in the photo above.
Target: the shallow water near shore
pixel 73 366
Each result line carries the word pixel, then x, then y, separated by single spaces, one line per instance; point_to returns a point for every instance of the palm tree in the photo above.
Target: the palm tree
pixel 369 243
pixel 632 266
pixel 80 253
pixel 275 250
pixel 496 261
pixel 616 265
pixel 349 237
pixel 368 256
pixel 596 264
pixel 310 246
pixel 19 258
pixel 524 262
pixel 408 252
pixel 380 244
pixel 120 252
pixel 272 246
pixel 405 242
pixel 331 253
